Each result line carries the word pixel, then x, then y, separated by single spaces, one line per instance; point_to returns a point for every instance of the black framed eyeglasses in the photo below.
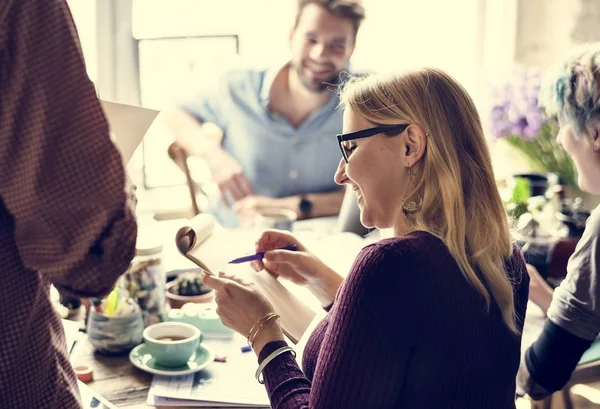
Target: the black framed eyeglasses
pixel 365 133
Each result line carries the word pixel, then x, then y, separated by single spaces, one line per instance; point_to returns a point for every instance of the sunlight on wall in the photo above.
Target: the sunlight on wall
pixel 395 35
pixel 406 33
pixel 84 15
pixel 263 25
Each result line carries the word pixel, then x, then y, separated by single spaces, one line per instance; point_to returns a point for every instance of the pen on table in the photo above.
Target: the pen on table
pixel 260 255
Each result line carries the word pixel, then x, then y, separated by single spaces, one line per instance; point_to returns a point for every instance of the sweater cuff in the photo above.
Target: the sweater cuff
pixel 269 349
pixel 553 357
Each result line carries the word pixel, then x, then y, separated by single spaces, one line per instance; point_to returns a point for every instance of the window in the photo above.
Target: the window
pixel 168 67
pixel 183 43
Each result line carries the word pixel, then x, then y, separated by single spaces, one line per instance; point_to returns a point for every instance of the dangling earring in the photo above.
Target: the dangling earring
pixel 596 148
pixel 411 207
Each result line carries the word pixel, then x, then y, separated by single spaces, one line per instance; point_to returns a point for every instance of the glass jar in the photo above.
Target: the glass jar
pixel 145 278
pixel 115 334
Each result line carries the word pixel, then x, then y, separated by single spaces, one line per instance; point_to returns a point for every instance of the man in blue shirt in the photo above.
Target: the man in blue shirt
pixel 268 135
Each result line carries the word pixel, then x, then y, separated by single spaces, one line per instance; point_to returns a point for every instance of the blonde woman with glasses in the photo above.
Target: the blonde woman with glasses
pixel 430 318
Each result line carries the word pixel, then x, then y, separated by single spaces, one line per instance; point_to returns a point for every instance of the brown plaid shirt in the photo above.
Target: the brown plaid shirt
pixel 64 216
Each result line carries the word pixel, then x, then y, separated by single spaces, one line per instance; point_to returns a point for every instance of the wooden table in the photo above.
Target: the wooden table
pixel 122 384
pixel 115 378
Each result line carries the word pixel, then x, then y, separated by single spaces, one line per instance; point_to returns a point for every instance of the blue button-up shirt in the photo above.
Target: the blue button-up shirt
pixel 278 159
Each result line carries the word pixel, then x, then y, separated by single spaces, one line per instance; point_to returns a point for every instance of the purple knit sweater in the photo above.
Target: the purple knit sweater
pixel 406 331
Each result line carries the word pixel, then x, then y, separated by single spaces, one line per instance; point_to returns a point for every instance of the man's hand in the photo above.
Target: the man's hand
pixel 228 175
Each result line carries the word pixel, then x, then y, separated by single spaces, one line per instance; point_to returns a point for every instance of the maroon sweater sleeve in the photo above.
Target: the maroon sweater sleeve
pixel 349 373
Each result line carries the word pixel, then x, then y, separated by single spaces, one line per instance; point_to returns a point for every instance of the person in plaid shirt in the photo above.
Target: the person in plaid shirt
pixel 65 218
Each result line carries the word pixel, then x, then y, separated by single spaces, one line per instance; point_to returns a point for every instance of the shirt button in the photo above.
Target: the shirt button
pixel 293 174
pixel 295 139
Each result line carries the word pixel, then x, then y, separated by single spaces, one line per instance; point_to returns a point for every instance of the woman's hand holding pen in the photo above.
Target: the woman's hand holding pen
pixel 300 267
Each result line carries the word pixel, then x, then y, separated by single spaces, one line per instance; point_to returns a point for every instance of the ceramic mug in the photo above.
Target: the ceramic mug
pixel 115 334
pixel 281 219
pixel 171 344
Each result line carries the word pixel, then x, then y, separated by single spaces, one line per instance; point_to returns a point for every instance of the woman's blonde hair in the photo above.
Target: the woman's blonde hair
pixel 461 204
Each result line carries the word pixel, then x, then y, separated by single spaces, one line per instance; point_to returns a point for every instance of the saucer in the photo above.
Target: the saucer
pixel 142 359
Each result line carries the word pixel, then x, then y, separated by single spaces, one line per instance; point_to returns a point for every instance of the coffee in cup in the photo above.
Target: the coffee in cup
pixel 171 344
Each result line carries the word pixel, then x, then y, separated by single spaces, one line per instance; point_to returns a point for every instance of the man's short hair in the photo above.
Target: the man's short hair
pixel 352 10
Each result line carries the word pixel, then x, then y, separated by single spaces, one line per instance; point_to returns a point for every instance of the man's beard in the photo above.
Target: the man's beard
pixel 312 85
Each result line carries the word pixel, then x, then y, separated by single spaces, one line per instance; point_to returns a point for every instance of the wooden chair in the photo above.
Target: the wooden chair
pixel 179 155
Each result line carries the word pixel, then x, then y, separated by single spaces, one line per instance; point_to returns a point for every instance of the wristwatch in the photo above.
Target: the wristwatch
pixel 305 206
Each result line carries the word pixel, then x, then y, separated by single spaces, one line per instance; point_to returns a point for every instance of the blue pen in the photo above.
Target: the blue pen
pixel 260 255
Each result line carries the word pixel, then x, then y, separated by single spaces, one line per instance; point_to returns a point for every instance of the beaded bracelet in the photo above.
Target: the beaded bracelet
pixel 260 321
pixel 268 359
pixel 269 318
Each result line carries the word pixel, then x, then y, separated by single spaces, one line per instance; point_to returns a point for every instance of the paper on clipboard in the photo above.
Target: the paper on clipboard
pixel 128 125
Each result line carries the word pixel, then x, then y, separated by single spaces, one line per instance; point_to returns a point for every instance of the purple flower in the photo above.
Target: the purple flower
pixel 515 107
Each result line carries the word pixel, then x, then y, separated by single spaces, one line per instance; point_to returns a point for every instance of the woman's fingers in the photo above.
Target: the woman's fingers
pixel 214 282
pixel 233 277
pixel 273 239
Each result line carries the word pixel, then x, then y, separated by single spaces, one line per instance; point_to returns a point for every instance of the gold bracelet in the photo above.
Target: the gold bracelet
pixel 251 340
pixel 260 321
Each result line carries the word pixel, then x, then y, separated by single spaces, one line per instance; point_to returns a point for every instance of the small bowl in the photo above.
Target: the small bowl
pixel 177 301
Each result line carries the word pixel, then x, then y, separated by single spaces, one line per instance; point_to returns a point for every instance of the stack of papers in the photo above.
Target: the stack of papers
pixel 221 384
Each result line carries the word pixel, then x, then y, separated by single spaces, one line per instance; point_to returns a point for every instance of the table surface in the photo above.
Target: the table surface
pixel 122 384
pixel 115 378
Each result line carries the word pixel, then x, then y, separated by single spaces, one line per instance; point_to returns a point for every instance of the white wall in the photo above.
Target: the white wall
pixel 406 33
pixel 545 30
pixel 84 14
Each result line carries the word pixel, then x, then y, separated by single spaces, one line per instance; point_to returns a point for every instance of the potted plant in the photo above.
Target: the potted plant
pixel 188 287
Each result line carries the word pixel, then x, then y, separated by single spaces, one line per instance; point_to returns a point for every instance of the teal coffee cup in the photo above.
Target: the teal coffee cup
pixel 171 344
